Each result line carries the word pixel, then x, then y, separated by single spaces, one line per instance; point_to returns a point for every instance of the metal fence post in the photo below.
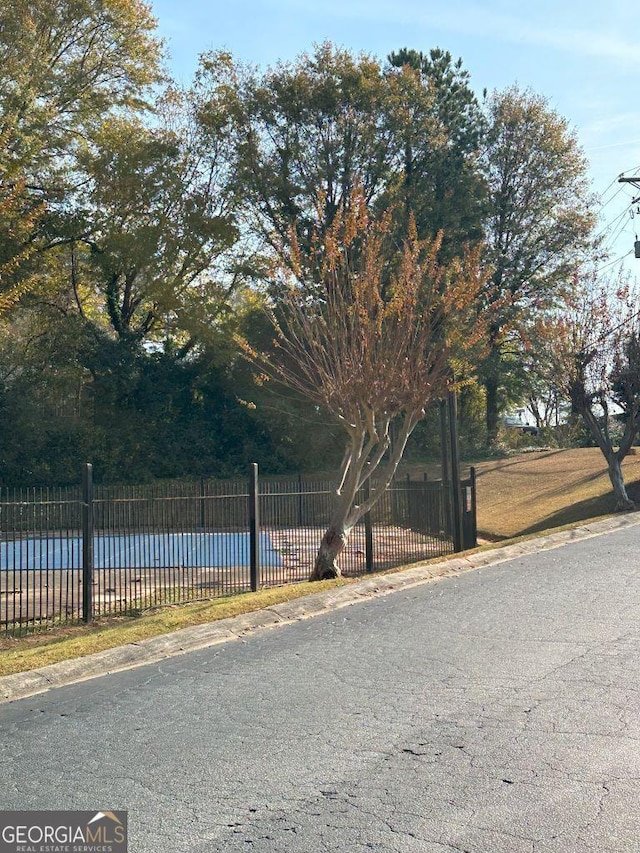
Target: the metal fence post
pixel 300 500
pixel 203 518
pixel 87 542
pixel 444 441
pixel 458 537
pixel 368 533
pixel 447 508
pixel 254 527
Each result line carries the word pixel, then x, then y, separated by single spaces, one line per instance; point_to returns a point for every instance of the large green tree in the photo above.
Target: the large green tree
pixel 65 65
pixel 157 223
pixel 537 227
pixel 308 133
pixel 439 126
pixel 116 218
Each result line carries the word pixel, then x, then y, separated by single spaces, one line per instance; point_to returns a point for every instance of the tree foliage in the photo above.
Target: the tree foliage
pixel 158 219
pixel 314 129
pixel 597 366
pixel 537 227
pixel 64 67
pixel 372 346
pixel 306 130
pixel 142 224
pixel 440 127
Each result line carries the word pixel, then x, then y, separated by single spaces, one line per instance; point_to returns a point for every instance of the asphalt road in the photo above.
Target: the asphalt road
pixel 496 712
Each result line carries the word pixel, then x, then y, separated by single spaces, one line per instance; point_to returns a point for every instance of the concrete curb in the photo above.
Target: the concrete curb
pixel 24 684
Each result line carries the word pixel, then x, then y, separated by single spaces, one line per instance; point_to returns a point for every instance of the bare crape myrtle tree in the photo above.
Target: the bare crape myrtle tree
pixel 368 331
pixel 596 364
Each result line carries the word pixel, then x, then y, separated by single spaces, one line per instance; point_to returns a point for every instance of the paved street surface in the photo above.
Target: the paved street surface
pixel 496 712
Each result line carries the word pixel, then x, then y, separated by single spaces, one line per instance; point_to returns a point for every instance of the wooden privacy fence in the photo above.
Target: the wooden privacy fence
pixel 70 555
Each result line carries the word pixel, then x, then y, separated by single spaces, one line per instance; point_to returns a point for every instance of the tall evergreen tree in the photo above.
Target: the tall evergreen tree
pixel 442 184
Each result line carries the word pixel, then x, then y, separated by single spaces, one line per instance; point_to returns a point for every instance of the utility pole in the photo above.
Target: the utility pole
pixel 635 182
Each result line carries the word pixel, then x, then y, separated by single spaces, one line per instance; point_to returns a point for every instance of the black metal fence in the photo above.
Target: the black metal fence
pixel 69 555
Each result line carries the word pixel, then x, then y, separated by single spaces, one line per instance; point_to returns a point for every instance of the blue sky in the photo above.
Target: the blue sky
pixel 583 56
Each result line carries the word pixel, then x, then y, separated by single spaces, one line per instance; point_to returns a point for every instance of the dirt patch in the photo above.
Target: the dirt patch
pixel 392 546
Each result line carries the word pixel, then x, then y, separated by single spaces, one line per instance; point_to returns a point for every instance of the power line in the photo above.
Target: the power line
pixel 635 169
pixel 618 327
pixel 601 196
pixel 634 181
pixel 615 261
pixel 614 235
pixel 613 223
pixel 617 226
pixel 614 196
pixel 606 190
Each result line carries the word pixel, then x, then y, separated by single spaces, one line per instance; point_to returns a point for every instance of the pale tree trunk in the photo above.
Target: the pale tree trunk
pixel 332 545
pixel 362 458
pixel 492 419
pixel 601 434
pixel 335 538
pixel 491 382
pixel 623 501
